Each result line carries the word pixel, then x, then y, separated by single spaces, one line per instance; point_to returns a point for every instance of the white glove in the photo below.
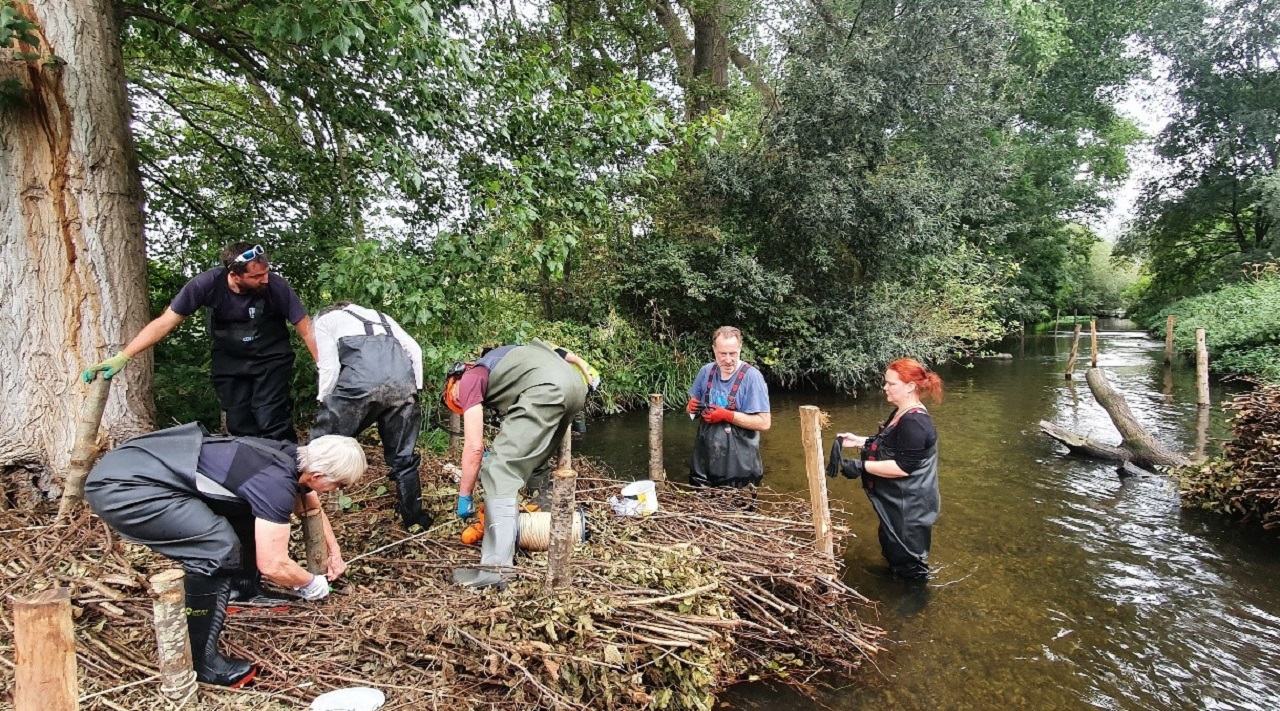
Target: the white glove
pixel 317 589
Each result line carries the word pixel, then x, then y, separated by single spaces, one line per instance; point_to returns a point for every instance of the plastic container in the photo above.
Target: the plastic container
pixel 639 498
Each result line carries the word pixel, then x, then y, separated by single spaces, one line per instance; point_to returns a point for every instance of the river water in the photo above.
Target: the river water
pixel 1058 585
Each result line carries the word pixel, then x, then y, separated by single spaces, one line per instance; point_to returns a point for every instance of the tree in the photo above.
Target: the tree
pixel 71 253
pixel 1199 223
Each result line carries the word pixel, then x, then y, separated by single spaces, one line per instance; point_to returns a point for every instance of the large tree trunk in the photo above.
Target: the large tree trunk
pixel 72 261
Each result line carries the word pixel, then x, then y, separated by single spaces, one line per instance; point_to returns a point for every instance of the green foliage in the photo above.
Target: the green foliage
pixel 1241 322
pixel 1197 225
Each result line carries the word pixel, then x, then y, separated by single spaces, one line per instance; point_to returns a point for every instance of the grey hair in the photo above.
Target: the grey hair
pixel 339 458
pixel 726 332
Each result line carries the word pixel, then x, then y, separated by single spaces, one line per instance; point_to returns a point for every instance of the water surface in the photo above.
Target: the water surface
pixel 1059 585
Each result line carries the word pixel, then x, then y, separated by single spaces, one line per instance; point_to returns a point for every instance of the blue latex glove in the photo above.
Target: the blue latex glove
pixel 466 506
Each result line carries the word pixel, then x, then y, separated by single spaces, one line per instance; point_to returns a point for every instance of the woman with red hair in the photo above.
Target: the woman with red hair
pixel 899 468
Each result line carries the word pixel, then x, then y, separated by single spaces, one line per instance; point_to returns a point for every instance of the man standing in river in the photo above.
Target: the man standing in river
pixel 732 400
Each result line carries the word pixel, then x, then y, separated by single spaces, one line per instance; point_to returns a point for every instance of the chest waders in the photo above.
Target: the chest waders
pixel 376 385
pixel 252 368
pixel 146 490
pixel 907 507
pixel 726 455
pixel 538 393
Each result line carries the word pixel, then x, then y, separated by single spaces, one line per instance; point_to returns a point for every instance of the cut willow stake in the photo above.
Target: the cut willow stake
pixel 177 678
pixel 455 435
pixel 560 550
pixel 656 470
pixel 86 446
pixel 1202 369
pixel 1075 348
pixel 313 536
pixel 1168 340
pixel 1093 342
pixel 566 449
pixel 811 436
pixel 44 653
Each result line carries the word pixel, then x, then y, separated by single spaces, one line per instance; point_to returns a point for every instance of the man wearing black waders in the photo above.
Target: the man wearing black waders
pixel 370 373
pixel 537 390
pixel 733 401
pixel 252 357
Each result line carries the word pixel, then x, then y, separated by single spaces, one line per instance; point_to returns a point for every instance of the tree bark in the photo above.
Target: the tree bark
pixel 72 260
pixel 1146 451
pixel 1079 444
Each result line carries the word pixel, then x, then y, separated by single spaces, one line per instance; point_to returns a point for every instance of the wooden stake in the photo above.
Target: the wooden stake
pixel 44 653
pixel 656 471
pixel 313 537
pixel 1202 434
pixel 177 678
pixel 1168 340
pixel 1093 342
pixel 455 435
pixel 811 436
pixel 1202 369
pixel 566 449
pixel 1075 348
pixel 560 550
pixel 86 446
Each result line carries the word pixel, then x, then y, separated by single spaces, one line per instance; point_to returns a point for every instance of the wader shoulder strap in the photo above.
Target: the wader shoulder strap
pixel 733 390
pixel 368 325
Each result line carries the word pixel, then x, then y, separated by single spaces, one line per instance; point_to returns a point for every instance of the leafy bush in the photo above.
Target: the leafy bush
pixel 1241 322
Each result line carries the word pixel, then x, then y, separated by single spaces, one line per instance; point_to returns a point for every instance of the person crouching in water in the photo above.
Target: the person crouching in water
pixel 538 391
pixel 899 468
pixel 220 506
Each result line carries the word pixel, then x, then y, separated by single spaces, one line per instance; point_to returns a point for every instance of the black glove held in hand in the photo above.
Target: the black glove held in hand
pixel 853 468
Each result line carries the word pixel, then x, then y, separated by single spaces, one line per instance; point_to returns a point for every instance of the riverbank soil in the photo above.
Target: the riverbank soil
pixel 1245 481
pixel 664 611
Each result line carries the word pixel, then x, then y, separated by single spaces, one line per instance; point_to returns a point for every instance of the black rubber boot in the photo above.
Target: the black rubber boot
pixel 247 593
pixel 409 501
pixel 206 613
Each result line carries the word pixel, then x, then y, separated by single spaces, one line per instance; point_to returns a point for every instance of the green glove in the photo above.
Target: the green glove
pixel 108 367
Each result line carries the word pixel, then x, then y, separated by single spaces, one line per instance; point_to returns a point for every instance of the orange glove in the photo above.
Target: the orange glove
pixel 715 414
pixel 693 405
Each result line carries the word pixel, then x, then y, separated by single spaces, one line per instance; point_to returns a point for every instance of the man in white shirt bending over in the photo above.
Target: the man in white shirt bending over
pixel 371 372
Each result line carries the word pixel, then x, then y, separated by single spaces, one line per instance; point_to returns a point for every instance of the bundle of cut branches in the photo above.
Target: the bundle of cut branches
pixel 664 610
pixel 1245 481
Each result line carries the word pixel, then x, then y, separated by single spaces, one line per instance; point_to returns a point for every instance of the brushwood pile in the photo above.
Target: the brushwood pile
pixel 1245 481
pixel 664 611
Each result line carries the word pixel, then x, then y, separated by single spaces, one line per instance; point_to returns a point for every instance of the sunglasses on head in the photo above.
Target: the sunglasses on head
pixel 457 369
pixel 249 255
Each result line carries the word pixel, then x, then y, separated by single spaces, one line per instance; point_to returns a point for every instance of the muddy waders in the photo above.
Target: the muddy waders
pixel 538 393
pixel 207 598
pixel 376 385
pixel 252 369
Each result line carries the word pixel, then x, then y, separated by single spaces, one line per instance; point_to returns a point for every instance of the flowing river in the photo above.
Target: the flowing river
pixel 1058 585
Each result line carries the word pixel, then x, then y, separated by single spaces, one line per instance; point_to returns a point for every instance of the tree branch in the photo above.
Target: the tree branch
pixel 752 72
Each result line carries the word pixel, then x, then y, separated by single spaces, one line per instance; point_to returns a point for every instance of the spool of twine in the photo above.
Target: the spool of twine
pixel 535 529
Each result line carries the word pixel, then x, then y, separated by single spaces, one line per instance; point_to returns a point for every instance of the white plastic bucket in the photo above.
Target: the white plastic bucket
pixel 355 698
pixel 644 493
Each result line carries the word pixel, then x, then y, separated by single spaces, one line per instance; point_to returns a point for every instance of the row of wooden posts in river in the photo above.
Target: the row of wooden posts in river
pixel 45 665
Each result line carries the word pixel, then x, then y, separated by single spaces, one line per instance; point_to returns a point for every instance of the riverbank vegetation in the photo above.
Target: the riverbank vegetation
pixel 1241 322
pixel 1245 481
pixel 858 182
pixel 1202 226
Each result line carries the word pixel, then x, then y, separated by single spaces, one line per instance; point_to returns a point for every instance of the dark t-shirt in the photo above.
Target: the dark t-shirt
pixel 268 484
pixel 203 290
pixel 910 440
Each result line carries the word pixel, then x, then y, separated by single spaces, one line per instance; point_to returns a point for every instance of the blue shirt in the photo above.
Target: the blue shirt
pixel 752 397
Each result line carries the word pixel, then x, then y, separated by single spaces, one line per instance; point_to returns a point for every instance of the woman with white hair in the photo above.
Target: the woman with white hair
pixel 221 506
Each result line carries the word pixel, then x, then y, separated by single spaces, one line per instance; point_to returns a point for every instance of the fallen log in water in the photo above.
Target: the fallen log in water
pixel 664 611
pixel 1136 444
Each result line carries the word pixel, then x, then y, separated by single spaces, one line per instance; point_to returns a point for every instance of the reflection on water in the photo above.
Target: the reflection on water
pixel 1059 585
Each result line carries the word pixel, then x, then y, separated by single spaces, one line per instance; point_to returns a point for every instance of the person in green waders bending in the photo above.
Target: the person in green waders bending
pixel 732 399
pixel 537 389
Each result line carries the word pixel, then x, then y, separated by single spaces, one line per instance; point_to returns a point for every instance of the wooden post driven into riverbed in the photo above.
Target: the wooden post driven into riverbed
pixel 1202 369
pixel 1093 342
pixel 1168 340
pixel 811 436
pixel 44 653
pixel 1075 348
pixel 656 471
